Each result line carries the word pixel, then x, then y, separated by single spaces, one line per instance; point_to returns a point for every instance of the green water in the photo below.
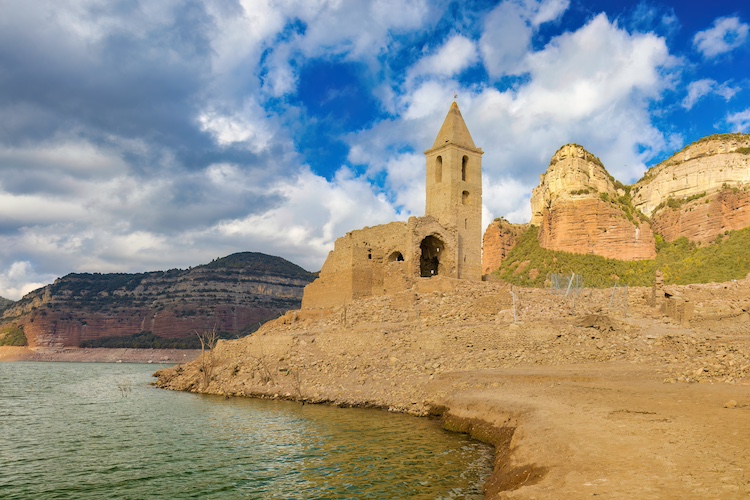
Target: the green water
pixel 79 430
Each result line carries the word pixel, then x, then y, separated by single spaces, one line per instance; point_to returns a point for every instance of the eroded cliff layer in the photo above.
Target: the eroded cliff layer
pixel 579 209
pixel 499 239
pixel 704 217
pixel 706 166
pixel 234 294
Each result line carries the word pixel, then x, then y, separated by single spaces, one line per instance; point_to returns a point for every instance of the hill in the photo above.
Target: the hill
pixel 163 309
pixel 5 303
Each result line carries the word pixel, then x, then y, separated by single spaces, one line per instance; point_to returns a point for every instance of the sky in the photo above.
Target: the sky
pixel 138 135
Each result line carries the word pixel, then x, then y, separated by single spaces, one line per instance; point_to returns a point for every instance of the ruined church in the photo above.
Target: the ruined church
pixel 446 241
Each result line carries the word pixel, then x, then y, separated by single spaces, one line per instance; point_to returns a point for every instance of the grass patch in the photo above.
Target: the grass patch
pixel 682 263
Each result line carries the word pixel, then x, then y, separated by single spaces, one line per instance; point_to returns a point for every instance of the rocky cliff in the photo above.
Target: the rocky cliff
pixel 699 193
pixel 579 209
pixel 234 294
pixel 706 166
pixel 704 217
pixel 5 303
pixel 499 239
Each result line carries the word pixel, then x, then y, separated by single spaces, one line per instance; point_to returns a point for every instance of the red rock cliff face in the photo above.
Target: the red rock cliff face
pixel 235 294
pixel 591 226
pixel 703 219
pixel 578 209
pixel 499 239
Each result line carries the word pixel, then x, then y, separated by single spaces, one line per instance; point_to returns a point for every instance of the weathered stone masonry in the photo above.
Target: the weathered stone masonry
pixel 446 242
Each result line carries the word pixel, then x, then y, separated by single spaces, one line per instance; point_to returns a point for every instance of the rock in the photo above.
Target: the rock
pixel 730 404
pixel 499 239
pixel 578 209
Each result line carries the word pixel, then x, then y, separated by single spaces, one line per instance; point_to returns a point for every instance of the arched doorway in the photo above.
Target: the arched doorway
pixel 432 250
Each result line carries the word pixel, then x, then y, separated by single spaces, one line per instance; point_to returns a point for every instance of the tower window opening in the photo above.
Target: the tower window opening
pixel 429 260
pixel 369 254
pixel 465 198
pixel 464 166
pixel 438 169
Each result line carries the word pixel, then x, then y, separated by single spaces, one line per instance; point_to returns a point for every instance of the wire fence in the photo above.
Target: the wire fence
pixel 562 284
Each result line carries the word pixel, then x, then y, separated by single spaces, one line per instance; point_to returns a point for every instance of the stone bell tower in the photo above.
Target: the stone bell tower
pixel 454 190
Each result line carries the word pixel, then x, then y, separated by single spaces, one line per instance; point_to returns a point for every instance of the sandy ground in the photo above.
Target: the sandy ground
pixel 98 355
pixel 581 398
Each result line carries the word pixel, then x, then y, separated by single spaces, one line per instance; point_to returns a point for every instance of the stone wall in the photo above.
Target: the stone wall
pixel 379 260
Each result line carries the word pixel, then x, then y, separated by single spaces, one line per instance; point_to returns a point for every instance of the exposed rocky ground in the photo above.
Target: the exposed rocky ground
pixel 598 393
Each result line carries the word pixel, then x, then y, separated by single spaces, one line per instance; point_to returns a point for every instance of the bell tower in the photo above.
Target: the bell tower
pixel 454 190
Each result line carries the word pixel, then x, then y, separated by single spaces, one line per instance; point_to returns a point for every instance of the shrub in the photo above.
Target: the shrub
pixel 12 335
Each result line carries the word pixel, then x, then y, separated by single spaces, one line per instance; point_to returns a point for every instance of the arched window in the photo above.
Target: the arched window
pixel 438 169
pixel 464 167
pixel 396 257
pixel 465 197
pixel 429 261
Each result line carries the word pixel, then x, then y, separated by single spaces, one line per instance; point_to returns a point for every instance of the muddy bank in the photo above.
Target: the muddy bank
pixel 98 355
pixel 615 401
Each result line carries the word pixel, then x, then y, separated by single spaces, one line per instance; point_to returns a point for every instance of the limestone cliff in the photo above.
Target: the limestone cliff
pixel 705 216
pixel 706 166
pixel 579 209
pixel 235 294
pixel 499 239
pixel 700 192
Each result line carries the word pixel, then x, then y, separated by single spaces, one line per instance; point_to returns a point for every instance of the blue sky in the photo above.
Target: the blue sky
pixel 139 135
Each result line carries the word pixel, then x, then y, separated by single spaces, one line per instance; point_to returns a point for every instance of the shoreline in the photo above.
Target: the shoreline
pixel 602 403
pixel 97 355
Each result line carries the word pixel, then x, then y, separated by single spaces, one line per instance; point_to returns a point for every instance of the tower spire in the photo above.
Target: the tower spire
pixel 454 131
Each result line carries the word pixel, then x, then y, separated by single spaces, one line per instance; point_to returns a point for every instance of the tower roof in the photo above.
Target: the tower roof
pixel 454 131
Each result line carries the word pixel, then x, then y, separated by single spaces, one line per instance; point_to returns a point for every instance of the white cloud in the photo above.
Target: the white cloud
pixel 701 88
pixel 726 34
pixel 19 279
pixel 456 54
pixel 314 213
pixel 242 127
pixel 592 86
pixel 505 40
pixel 549 10
pixel 508 29
pixel 739 121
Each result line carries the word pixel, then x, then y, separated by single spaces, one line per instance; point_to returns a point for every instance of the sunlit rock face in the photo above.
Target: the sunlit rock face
pixel 700 192
pixel 706 166
pixel 579 209
pixel 499 239
pixel 234 294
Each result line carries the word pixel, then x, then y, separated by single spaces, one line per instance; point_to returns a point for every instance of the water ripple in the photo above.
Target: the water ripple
pixel 69 431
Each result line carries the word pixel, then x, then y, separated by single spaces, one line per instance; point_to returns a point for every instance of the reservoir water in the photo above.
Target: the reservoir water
pixel 85 430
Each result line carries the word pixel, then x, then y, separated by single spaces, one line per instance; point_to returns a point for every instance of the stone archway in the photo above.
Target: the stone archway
pixel 432 250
